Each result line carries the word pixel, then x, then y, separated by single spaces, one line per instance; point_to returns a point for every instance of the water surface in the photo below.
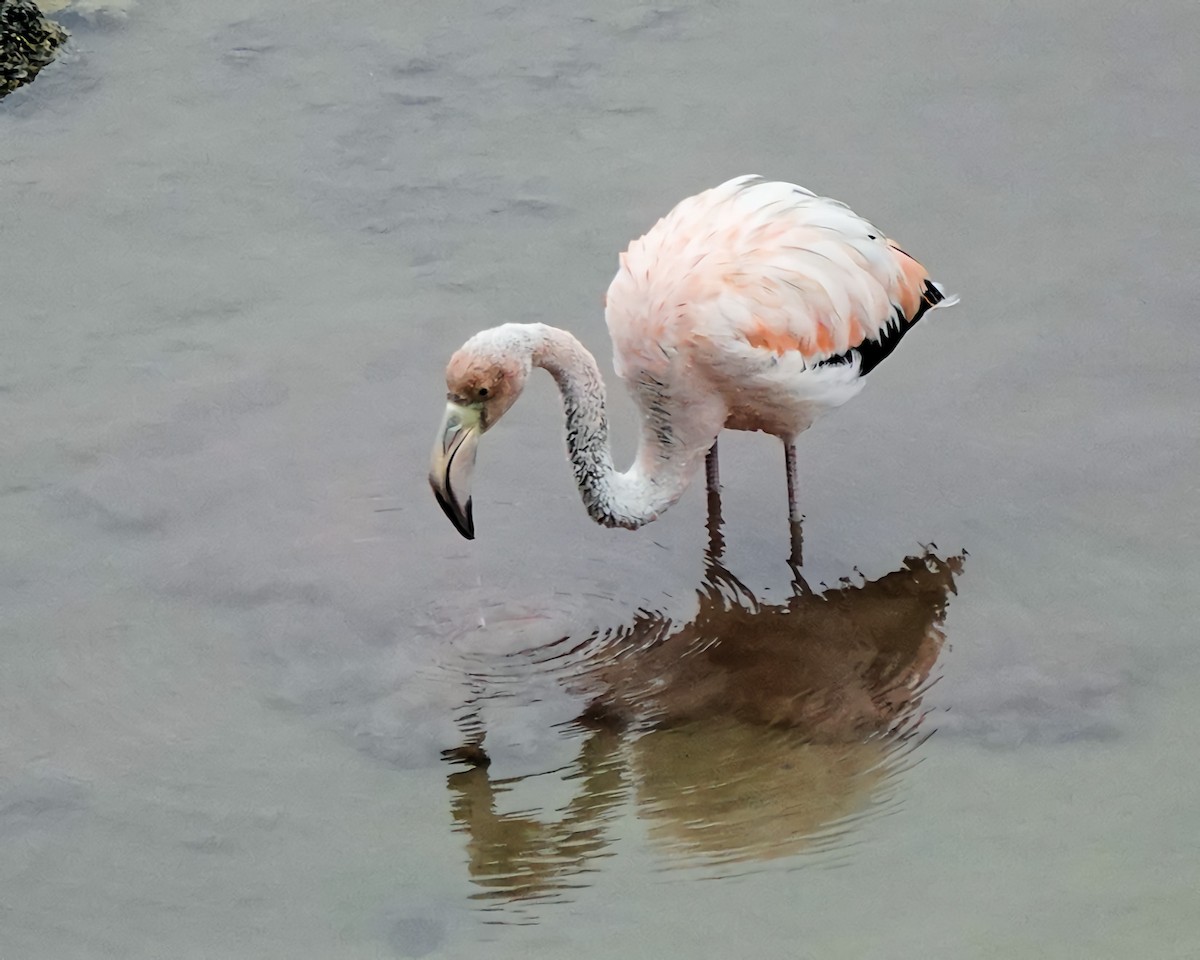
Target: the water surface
pixel 240 240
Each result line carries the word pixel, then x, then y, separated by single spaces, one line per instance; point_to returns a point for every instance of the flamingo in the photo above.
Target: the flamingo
pixel 755 305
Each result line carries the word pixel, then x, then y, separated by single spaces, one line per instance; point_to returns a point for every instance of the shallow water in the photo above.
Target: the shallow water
pixel 240 240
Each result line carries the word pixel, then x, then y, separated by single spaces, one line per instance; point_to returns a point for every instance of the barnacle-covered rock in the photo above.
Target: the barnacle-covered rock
pixel 28 41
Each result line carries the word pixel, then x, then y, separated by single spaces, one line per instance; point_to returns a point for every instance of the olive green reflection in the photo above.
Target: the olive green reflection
pixel 753 731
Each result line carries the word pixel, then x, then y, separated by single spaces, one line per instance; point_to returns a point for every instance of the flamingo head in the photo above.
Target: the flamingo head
pixel 483 379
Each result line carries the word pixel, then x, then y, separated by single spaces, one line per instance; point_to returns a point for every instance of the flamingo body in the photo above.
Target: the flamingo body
pixel 755 305
pixel 746 300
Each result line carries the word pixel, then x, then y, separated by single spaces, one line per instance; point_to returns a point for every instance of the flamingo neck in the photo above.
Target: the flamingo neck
pixel 660 472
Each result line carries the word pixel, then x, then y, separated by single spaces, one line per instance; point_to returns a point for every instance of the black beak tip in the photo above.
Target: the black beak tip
pixel 463 520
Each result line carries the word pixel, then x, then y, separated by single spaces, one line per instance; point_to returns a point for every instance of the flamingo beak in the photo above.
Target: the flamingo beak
pixel 453 463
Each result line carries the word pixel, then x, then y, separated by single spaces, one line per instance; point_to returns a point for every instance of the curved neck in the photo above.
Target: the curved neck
pixel 660 472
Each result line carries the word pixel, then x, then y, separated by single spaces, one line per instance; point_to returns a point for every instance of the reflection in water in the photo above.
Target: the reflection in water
pixel 522 856
pixel 753 731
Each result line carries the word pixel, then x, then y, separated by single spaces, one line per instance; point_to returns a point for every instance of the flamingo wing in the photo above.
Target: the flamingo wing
pixel 768 266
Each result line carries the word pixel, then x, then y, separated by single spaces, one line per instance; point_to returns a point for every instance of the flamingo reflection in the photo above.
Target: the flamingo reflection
pixel 752 731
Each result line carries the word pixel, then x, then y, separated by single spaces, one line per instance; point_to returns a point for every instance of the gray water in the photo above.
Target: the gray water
pixel 240 239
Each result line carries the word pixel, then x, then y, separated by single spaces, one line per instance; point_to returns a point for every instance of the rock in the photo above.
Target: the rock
pixel 28 41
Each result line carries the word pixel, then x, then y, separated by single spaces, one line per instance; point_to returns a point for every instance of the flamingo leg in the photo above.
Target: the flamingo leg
pixel 712 477
pixel 716 540
pixel 712 471
pixel 794 516
pixel 789 454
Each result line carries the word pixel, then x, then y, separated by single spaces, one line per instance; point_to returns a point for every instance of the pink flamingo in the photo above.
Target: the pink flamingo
pixel 755 305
